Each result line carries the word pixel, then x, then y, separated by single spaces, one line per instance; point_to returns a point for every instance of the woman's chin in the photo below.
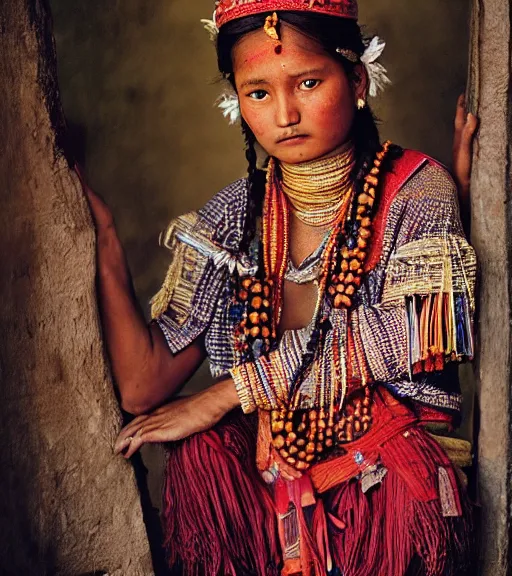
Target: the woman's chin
pixel 300 151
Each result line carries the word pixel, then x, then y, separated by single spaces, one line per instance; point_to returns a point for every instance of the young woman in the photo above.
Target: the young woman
pixel 333 295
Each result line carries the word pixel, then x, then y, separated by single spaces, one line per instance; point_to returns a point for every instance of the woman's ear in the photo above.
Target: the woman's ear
pixel 360 82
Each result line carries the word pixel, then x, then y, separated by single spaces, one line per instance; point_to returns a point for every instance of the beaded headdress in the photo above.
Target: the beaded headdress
pixel 227 10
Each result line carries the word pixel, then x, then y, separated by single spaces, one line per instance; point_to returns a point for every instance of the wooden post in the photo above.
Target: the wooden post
pixel 67 505
pixel 490 98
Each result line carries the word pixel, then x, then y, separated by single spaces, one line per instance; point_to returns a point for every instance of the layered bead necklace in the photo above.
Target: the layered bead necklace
pixel 301 438
pixel 318 189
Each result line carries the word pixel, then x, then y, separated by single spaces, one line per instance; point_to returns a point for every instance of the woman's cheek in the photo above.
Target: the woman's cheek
pixel 257 121
pixel 333 110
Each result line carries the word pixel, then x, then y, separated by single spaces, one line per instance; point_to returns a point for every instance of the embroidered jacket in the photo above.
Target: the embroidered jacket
pixel 412 316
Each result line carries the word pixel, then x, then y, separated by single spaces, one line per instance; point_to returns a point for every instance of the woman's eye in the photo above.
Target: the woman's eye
pixel 258 95
pixel 309 84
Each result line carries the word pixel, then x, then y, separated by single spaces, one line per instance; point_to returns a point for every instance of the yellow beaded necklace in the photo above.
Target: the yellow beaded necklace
pixel 316 190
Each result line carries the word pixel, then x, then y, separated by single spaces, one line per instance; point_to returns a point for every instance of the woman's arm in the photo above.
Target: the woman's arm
pixel 144 369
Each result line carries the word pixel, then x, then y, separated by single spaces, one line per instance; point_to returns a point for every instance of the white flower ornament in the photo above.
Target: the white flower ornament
pixel 377 74
pixel 230 106
pixel 211 27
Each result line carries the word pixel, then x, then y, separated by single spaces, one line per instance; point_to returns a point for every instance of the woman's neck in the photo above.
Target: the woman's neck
pixel 316 190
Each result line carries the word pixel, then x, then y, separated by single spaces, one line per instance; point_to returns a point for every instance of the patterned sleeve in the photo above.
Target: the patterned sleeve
pixel 203 246
pixel 425 314
pixel 184 305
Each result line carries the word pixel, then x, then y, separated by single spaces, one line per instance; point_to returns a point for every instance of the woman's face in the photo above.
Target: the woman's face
pixel 299 102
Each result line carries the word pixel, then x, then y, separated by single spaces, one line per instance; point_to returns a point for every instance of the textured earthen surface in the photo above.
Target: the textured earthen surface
pixel 491 228
pixel 67 505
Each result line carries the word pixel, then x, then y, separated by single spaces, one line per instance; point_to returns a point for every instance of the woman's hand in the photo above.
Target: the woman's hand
pixel 287 472
pixel 179 419
pixel 101 213
pixel 462 154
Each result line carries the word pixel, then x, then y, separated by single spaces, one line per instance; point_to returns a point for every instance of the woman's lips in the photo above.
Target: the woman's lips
pixel 298 139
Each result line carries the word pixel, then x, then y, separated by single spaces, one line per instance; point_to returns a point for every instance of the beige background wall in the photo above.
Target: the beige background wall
pixel 138 86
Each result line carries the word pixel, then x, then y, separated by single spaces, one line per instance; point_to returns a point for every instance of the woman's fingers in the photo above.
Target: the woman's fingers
pixel 460 114
pixel 128 432
pixel 155 434
pixel 469 130
pixel 287 472
pixel 465 128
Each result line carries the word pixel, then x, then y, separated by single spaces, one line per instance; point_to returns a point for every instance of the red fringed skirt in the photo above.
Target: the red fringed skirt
pixel 220 519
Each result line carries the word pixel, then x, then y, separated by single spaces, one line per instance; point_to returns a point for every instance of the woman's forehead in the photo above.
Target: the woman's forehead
pixel 256 49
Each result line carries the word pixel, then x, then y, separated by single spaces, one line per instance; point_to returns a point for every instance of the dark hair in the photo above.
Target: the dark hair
pixel 332 33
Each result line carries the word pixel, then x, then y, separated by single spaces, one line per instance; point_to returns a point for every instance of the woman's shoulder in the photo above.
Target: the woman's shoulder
pixel 225 213
pixel 415 176
pixel 221 220
pixel 422 196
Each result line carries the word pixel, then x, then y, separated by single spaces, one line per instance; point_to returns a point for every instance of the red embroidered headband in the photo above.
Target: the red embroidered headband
pixel 227 10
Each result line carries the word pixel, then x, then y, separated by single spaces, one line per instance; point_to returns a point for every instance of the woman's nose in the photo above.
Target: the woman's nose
pixel 287 112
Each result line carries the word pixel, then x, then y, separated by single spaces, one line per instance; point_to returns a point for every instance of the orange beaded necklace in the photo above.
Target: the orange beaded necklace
pixel 300 437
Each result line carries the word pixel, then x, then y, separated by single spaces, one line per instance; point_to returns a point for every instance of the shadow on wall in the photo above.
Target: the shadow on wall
pixel 137 80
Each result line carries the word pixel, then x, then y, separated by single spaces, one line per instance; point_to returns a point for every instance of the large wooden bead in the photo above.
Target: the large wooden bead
pixel 254 318
pixel 301 466
pixel 342 300
pixel 291 437
pixel 350 291
pixel 243 295
pixel 365 233
pixel 310 447
pixel 246 283
pixel 278 442
pixel 256 302
pixel 255 331
pixel 354 264
pixel 277 426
